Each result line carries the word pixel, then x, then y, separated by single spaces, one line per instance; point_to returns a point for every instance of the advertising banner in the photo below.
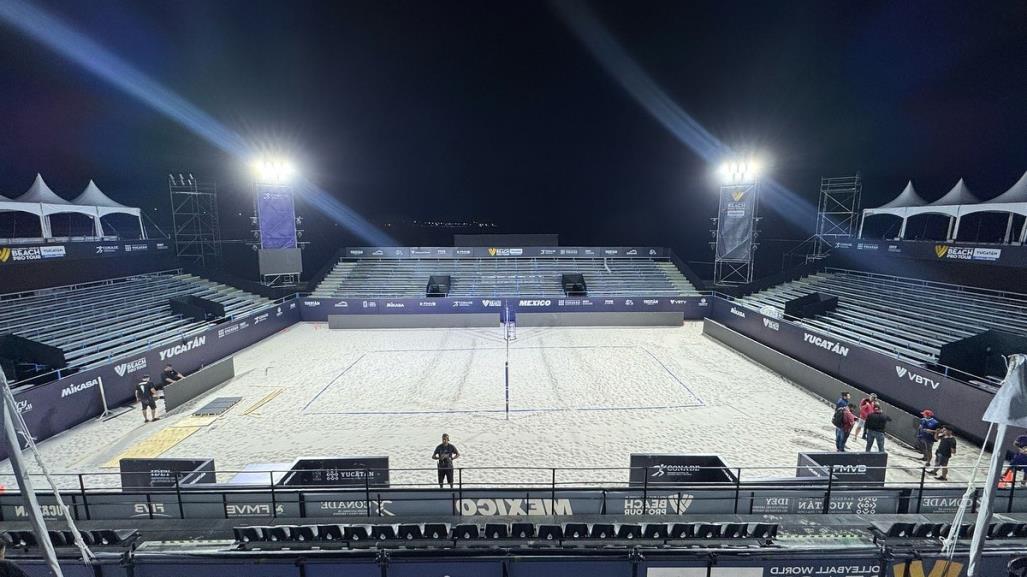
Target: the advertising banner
pixel 992 254
pixel 650 469
pixel 338 472
pixel 735 222
pixel 904 384
pixel 450 252
pixel 318 309
pixel 165 473
pixel 276 215
pixel 854 467
pixel 12 255
pixel 59 405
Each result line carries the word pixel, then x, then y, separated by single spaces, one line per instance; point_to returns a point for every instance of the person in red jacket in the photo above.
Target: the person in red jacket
pixel 843 422
pixel 866 407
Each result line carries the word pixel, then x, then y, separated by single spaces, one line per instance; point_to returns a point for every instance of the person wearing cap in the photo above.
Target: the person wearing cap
pixel 925 435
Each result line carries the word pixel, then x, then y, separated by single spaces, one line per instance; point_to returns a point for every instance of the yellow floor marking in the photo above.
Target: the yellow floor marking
pixel 267 399
pixel 195 421
pixel 154 445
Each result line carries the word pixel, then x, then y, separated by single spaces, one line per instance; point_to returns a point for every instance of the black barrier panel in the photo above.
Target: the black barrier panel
pixel 798 501
pixel 147 505
pixel 545 503
pixel 232 505
pixel 36 266
pixel 22 350
pixel 338 472
pixel 59 405
pixel 810 305
pixel 649 469
pixel 405 568
pixel 664 502
pixel 947 252
pixel 318 309
pixel 946 501
pixel 982 354
pixel 909 386
pixel 197 308
pixel 165 473
pixel 863 468
pixel 438 285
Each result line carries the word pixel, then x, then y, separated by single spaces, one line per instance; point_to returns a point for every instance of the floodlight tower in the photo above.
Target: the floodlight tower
pixel 279 256
pixel 736 221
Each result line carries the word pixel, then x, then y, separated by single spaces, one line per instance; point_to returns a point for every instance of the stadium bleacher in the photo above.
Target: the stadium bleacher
pixel 96 322
pixel 904 317
pixel 503 277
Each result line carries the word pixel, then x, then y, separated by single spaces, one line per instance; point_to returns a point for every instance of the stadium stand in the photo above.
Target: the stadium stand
pixel 501 277
pixel 905 317
pixel 95 322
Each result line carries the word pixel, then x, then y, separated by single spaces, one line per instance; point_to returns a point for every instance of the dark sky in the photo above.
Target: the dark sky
pixel 496 111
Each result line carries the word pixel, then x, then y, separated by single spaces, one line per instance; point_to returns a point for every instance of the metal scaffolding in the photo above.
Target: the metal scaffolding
pixel 837 212
pixel 733 263
pixel 194 215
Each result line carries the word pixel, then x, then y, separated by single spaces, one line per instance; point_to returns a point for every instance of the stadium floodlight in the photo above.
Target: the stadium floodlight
pixel 273 170
pixel 740 170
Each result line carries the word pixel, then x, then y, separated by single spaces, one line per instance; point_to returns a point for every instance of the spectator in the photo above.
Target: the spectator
pixel 866 406
pixel 875 425
pixel 946 449
pixel 925 435
pixel 1018 466
pixel 170 375
pixel 842 401
pixel 843 422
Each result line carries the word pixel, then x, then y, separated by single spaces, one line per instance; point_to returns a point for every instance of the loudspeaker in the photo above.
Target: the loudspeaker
pixel 629 531
pixel 465 531
pixel 656 531
pixel 522 530
pixel 410 532
pixel 496 530
pixel 435 530
pixel 575 530
pixel 383 532
pixel 550 532
pixel 355 533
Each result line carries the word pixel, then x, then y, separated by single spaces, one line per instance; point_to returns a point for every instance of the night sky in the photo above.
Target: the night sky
pixel 496 111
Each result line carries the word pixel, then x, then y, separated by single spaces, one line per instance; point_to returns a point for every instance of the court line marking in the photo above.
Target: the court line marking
pixel 675 377
pixel 331 382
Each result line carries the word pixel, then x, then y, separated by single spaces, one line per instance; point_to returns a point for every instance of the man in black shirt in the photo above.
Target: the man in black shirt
pixel 145 395
pixel 874 427
pixel 170 375
pixel 946 448
pixel 445 454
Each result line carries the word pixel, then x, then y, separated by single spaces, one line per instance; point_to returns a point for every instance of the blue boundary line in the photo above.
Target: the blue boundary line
pixel 700 403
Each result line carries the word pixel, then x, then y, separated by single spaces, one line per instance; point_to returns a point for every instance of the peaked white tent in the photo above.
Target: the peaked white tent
pixel 11 205
pixel 955 204
pixel 93 197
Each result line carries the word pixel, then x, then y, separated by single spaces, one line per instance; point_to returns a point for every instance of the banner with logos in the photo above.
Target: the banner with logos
pixel 735 218
pixel 459 252
pixel 318 309
pixel 904 384
pixel 59 405
pixel 37 253
pixel 964 252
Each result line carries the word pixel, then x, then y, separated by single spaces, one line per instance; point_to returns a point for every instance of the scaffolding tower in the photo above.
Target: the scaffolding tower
pixel 194 216
pixel 837 213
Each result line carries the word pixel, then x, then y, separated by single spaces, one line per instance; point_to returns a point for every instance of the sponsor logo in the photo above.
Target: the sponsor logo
pixel 629 303
pixel 737 313
pixel 292 306
pixel 135 247
pixel 850 469
pixel 987 253
pixel 130 367
pixel 675 504
pixel 547 251
pixel 107 248
pixel 703 302
pixel 52 251
pixel 394 305
pixel 341 304
pixel 960 253
pixel 252 510
pixel 356 252
pixel 440 251
pixel 261 318
pixel 650 302
pixel 222 333
pixel 652 252
pixel 189 345
pixel 737 195
pixel 826 344
pixel 535 303
pixel 515 507
pixel 569 251
pixel 378 252
pixel 611 251
pixel 589 252
pixel 632 252
pixel 843 245
pixel 369 304
pixel 48 511
pixel 311 303
pixel 940 250
pixel 399 252
pixel 663 470
pixel 355 508
pixel 462 304
pixel 916 568
pixel 415 252
pixel 608 302
pixel 678 301
pixel 464 252
pixel 78 388
pixel 427 304
pixel 23 406
pixel 505 251
pixel 149 510
pixel 867 246
pixel 5 254
pixel 894 248
pixel 31 253
pixel 491 303
pixel 771 324
pixel 162 246
pixel 278 312
pixel 903 372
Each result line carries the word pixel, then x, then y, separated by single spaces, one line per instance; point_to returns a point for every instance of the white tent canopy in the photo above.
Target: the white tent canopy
pixel 955 204
pixel 43 202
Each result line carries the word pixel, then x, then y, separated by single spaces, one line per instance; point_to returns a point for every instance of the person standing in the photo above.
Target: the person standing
pixel 146 394
pixel 925 435
pixel 843 422
pixel 946 449
pixel 866 407
pixel 874 428
pixel 445 454
pixel 842 401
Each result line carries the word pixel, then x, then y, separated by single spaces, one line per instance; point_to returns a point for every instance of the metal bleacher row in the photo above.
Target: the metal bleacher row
pixel 99 321
pixel 904 317
pixel 503 277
